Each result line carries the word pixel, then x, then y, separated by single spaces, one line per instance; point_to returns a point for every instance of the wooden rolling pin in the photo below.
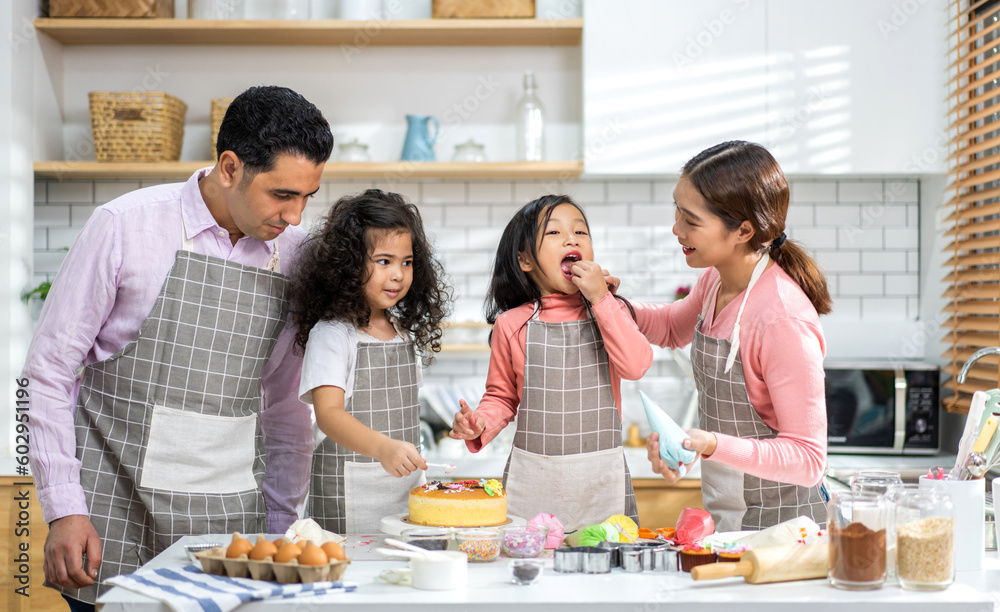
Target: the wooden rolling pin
pixel 772 564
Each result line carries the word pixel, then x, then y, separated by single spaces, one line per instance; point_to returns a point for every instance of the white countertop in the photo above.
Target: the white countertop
pixel 489 589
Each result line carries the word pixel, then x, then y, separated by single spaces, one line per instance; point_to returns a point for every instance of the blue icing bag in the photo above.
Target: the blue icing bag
pixel 672 436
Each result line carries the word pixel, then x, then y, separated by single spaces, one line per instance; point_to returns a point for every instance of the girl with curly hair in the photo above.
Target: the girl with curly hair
pixel 560 346
pixel 368 301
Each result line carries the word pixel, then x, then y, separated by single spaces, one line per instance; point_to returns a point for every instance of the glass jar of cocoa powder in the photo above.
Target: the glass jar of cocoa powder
pixel 856 528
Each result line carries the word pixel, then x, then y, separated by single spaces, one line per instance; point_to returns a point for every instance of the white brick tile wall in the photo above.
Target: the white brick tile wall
pixel 41 191
pixel 61 238
pixel 902 284
pixel 448 240
pixel 432 215
pixel 876 308
pixel 501 214
pixel 913 261
pixel 627 237
pixel 443 193
pixel 582 192
pixel 409 190
pixel 337 189
pixel 630 191
pixel 652 214
pixel 80 213
pixel 810 191
pixel 814 237
pixel 484 239
pixel 902 238
pixel 861 284
pixel 839 261
pixel 865 192
pixel 800 215
pixel 71 191
pixel 853 237
pixel 837 214
pixel 875 214
pixel 599 215
pixel 466 215
pixel 847 307
pixel 491 193
pixel 663 191
pixel 468 262
pixel 885 261
pixel 41 237
pixel 902 191
pixel 52 216
pixel 526 191
pixel 48 262
pixel 105 191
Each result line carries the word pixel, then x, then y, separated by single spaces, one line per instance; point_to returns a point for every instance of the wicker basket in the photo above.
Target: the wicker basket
pixel 111 8
pixel 219 107
pixel 137 127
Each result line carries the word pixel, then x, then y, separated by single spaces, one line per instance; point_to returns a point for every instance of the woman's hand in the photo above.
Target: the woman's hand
pixel 659 466
pixel 613 282
pixel 467 425
pixel 589 277
pixel 701 442
pixel 400 458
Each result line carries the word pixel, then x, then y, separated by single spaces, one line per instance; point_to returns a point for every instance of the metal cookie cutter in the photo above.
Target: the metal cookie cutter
pixel 586 559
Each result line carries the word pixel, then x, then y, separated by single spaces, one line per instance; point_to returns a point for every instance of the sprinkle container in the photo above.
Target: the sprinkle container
pixel 524 541
pixel 481 545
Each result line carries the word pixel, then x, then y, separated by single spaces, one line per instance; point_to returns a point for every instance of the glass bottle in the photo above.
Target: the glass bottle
pixel 856 528
pixel 470 151
pixel 530 123
pixel 925 539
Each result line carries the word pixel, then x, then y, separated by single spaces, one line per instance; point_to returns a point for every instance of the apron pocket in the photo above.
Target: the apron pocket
pixel 580 490
pixel 722 495
pixel 189 452
pixel 371 494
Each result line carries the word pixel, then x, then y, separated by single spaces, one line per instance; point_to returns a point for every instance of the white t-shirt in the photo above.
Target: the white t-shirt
pixel 332 354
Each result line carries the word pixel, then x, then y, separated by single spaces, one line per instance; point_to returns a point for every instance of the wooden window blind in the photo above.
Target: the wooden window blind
pixel 973 278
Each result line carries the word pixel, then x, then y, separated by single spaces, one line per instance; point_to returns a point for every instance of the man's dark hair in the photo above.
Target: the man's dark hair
pixel 264 122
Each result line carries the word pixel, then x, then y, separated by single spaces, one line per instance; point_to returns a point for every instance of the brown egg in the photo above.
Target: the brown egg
pixel 334 551
pixel 239 546
pixel 279 542
pixel 313 555
pixel 263 550
pixel 287 552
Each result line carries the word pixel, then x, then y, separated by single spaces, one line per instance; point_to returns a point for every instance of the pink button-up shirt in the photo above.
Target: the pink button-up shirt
pixel 104 291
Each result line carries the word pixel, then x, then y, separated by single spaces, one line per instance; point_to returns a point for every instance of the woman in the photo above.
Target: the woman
pixel 757 345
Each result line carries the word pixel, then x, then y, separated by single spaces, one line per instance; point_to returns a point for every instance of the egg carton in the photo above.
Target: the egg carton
pixel 214 561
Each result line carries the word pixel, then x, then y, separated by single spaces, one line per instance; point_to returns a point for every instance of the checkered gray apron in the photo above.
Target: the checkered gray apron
pixel 351 493
pixel 197 360
pixel 567 458
pixel 736 500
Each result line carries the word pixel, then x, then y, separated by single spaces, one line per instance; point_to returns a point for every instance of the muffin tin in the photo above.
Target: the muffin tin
pixel 214 561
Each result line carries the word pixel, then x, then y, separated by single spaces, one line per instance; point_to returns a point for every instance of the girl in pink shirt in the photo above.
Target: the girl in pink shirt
pixel 757 345
pixel 561 344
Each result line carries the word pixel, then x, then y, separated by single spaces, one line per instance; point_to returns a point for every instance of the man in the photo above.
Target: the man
pixel 162 371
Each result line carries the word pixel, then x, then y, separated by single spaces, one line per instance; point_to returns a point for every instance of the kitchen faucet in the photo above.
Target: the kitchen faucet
pixel 990 350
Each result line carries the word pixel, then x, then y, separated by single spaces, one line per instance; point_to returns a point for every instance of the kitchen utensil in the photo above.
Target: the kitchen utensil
pixel 394 552
pixel 419 144
pixel 632 560
pixel 404 546
pixel 976 463
pixel 447 467
pixel 774 564
pixel 672 436
pixel 970 433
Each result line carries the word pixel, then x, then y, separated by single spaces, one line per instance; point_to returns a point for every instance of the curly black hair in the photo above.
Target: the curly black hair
pixel 330 281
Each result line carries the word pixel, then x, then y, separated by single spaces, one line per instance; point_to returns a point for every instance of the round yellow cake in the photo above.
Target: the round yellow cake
pixel 467 503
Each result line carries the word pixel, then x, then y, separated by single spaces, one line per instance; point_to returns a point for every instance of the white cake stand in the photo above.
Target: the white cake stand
pixel 395 524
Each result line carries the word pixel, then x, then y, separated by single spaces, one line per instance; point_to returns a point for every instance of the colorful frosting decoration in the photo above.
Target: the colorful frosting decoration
pixel 492 486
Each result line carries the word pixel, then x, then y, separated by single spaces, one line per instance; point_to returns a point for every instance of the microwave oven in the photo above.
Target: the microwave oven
pixel 883 408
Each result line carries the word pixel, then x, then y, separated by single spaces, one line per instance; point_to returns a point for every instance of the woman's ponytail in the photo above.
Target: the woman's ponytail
pixel 804 270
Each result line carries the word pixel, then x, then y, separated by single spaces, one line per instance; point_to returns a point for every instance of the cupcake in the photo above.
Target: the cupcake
pixel 731 553
pixel 696 554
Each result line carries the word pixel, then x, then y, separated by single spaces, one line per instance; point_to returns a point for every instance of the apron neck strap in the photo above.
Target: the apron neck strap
pixel 187 244
pixel 734 340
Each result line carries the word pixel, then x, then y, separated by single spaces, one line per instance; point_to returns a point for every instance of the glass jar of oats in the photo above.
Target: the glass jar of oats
pixel 925 539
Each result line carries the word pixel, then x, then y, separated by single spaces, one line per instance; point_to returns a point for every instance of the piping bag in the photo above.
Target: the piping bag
pixel 672 437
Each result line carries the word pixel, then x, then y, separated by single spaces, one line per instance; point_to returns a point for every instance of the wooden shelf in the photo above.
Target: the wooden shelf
pixel 386 171
pixel 418 32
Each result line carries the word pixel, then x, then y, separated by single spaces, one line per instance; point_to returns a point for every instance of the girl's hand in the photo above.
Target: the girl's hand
pixel 400 458
pixel 659 466
pixel 467 425
pixel 589 277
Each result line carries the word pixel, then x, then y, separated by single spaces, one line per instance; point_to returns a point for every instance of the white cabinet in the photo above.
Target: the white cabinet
pixel 856 86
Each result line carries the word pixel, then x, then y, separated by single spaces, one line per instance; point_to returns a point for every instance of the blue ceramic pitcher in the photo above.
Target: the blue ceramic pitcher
pixel 419 145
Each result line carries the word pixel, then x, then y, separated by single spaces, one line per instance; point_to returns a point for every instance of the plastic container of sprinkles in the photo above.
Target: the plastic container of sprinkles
pixel 481 545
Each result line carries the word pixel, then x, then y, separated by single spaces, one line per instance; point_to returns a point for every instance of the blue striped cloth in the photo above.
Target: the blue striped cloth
pixel 191 590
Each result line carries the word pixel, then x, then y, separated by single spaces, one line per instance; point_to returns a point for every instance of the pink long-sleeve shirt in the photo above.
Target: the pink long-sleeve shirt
pixel 103 293
pixel 629 354
pixel 781 349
